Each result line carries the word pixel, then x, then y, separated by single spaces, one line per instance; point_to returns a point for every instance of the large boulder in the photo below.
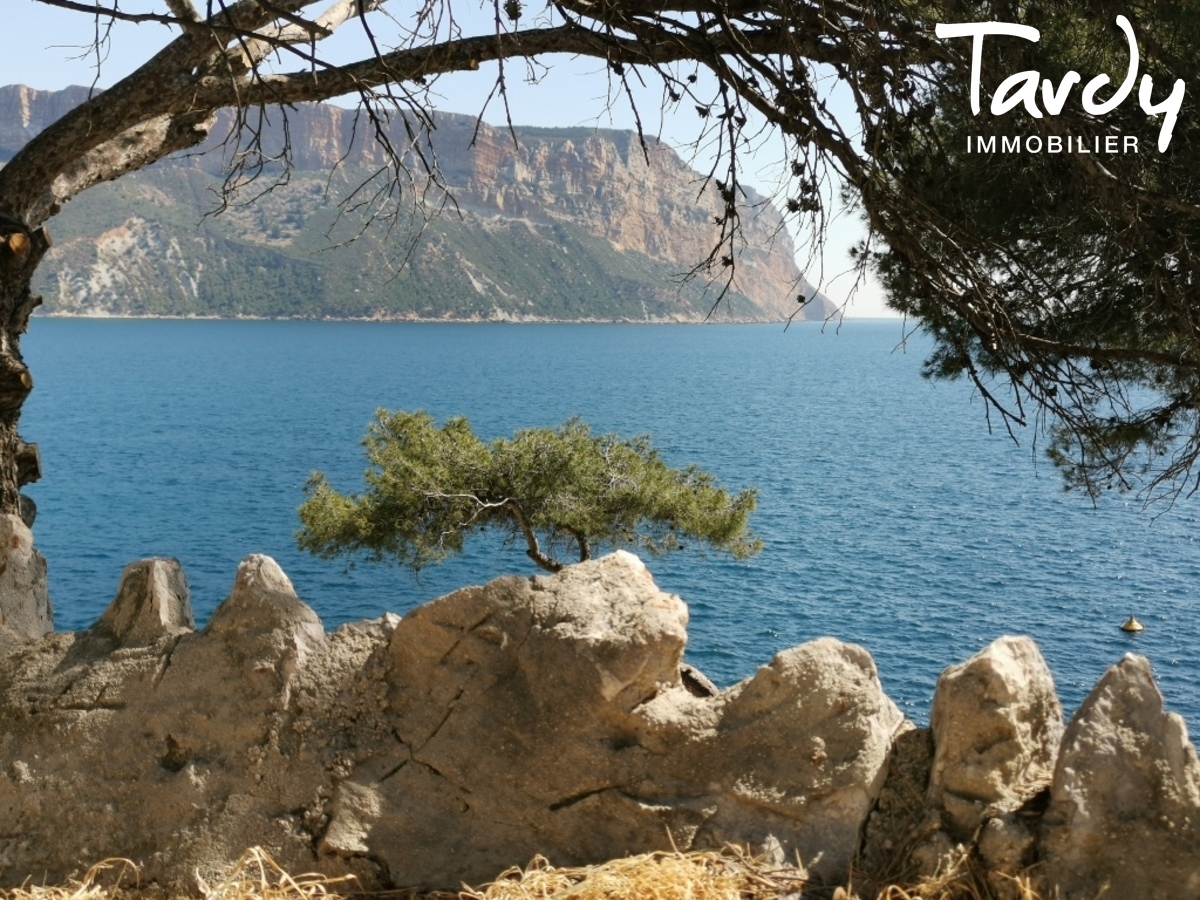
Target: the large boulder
pixel 25 610
pixel 512 707
pixel 974 777
pixel 152 602
pixel 548 716
pixel 1124 816
pixel 996 724
pixel 792 758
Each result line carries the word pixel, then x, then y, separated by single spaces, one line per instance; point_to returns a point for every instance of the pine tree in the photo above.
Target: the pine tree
pixel 556 489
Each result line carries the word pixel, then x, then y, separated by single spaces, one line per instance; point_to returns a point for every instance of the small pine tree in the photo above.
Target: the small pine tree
pixel 555 488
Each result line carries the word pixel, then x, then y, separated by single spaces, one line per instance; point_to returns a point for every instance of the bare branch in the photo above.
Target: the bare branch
pixel 114 13
pixel 275 36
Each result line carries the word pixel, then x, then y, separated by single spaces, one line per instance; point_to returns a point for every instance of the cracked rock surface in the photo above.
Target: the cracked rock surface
pixel 996 725
pixel 543 715
pixel 1124 816
pixel 548 715
pixel 25 610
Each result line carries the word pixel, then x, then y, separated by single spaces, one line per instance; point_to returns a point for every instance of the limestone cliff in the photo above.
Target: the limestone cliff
pixel 556 224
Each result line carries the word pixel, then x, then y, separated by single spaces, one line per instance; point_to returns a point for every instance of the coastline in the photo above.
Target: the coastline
pixel 445 320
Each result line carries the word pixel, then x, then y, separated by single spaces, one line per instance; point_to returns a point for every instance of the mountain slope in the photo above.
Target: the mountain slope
pixel 564 224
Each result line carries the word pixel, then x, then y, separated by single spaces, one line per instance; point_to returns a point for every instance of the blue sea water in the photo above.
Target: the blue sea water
pixel 890 516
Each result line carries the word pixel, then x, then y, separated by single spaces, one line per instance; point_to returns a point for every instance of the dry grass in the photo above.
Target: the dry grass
pixel 111 879
pixel 256 876
pixel 962 880
pixel 712 875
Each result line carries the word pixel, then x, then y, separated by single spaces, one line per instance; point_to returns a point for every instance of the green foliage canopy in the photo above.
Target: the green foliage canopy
pixel 555 488
pixel 1063 284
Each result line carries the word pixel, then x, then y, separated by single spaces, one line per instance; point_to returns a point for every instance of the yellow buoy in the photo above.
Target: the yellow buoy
pixel 1132 625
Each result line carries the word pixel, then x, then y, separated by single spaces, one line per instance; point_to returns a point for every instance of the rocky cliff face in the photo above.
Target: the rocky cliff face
pixel 641 199
pixel 567 224
pixel 548 715
pixel 24 112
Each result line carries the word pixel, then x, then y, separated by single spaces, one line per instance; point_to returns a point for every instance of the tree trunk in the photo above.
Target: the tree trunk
pixel 549 563
pixel 20 252
pixel 585 547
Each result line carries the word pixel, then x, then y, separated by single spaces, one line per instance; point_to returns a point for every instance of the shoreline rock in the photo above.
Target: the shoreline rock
pixel 549 715
pixel 25 609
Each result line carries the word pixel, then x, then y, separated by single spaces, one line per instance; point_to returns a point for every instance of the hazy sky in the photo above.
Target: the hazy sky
pixel 47 48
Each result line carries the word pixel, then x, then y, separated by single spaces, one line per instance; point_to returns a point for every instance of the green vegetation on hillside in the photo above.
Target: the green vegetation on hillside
pixel 284 256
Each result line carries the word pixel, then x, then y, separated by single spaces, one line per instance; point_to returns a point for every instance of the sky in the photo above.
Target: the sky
pixel 46 48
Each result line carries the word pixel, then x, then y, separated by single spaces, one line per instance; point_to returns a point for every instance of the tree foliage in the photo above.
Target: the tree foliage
pixel 1062 283
pixel 429 488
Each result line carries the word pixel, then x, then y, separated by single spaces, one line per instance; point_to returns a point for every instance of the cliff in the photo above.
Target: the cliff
pixel 556 224
pixel 551 716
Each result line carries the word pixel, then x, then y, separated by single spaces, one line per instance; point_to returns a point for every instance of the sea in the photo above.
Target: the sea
pixel 891 516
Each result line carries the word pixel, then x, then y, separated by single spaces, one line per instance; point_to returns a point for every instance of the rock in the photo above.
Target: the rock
pixel 548 716
pixel 25 610
pixel 1006 843
pixel 1007 848
pixel 800 755
pixel 262 600
pixel 996 724
pixel 177 753
pixel 1124 815
pixel 542 715
pixel 353 813
pixel 900 820
pixel 152 601
pixel 936 855
pixel 696 682
pixel 263 610
pixel 515 705
pixel 477 731
pixel 28 510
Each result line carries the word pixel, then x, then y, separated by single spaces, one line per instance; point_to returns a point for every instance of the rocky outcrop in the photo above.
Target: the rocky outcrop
pixel 799 750
pixel 1111 807
pixel 640 198
pixel 996 724
pixel 499 758
pixel 1124 816
pixel 25 610
pixel 170 749
pixel 152 602
pixel 548 716
pixel 542 715
pixel 26 112
pixel 491 756
pixel 969 780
